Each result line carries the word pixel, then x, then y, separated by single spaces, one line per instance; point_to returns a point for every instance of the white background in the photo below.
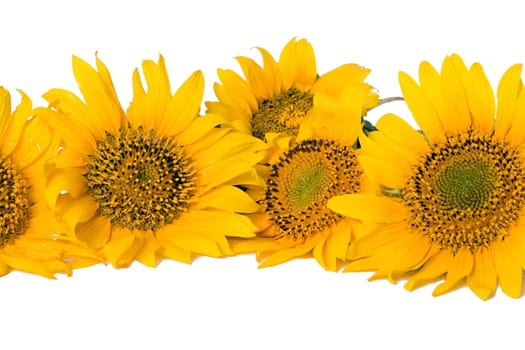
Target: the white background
pixel 229 303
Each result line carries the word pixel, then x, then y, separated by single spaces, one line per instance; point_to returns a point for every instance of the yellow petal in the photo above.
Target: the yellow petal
pixel 337 118
pixel 421 108
pixel 256 78
pixel 159 91
pixel 73 134
pixel 199 128
pixel 349 110
pixel 14 125
pixel 336 80
pixel 509 272
pixel 516 133
pixel 5 109
pixel 248 178
pixel 38 247
pixel 399 155
pixel 508 90
pixel 148 108
pixel 288 254
pixel 16 262
pixel 187 238
pixel 106 78
pixel 271 69
pixel 99 94
pixel 69 158
pixel 148 254
pixel 137 115
pixel 456 117
pixel 371 242
pixel 339 238
pixel 78 255
pixel 184 106
pixel 371 148
pixel 319 254
pixel 369 208
pixel 480 99
pixel 211 228
pixel 225 170
pixel 516 245
pixel 95 232
pixel 336 244
pixel 123 247
pixel 70 180
pixel 401 132
pixel 43 220
pixel 436 266
pixel 387 260
pixel 174 252
pixel 71 106
pixel 4 268
pixel 482 279
pixel 79 261
pixel 229 145
pixel 75 210
pixel 459 268
pixel 228 198
pixel 235 92
pixel 206 142
pixel 35 140
pixel 297 64
pixel 430 81
pixel 384 173
pixel 253 245
pixel 218 221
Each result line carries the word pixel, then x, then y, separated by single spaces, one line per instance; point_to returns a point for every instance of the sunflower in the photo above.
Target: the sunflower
pixel 277 96
pixel 301 174
pixel 31 239
pixel 455 202
pixel 156 182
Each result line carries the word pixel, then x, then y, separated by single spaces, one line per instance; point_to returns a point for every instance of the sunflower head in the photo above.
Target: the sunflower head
pixel 157 181
pixel 277 96
pixel 302 173
pixel 155 187
pixel 459 208
pixel 30 238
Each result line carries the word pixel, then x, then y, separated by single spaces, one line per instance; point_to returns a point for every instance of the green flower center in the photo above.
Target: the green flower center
pixel 465 183
pixel 140 180
pixel 282 113
pixel 302 181
pixel 15 203
pixel 306 184
pixel 467 192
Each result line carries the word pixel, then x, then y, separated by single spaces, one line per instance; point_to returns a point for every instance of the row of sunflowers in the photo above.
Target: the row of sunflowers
pixel 282 165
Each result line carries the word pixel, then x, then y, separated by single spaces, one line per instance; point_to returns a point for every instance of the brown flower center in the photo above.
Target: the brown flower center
pixel 467 192
pixel 15 203
pixel 303 180
pixel 282 113
pixel 140 180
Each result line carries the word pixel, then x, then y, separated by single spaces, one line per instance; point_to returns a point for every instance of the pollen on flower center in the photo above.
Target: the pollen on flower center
pixel 15 203
pixel 282 113
pixel 466 192
pixel 303 180
pixel 465 182
pixel 140 180
pixel 306 184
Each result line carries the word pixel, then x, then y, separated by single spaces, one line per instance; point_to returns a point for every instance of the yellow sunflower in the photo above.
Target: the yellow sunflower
pixel 277 96
pixel 157 181
pixel 31 239
pixel 301 174
pixel 459 213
